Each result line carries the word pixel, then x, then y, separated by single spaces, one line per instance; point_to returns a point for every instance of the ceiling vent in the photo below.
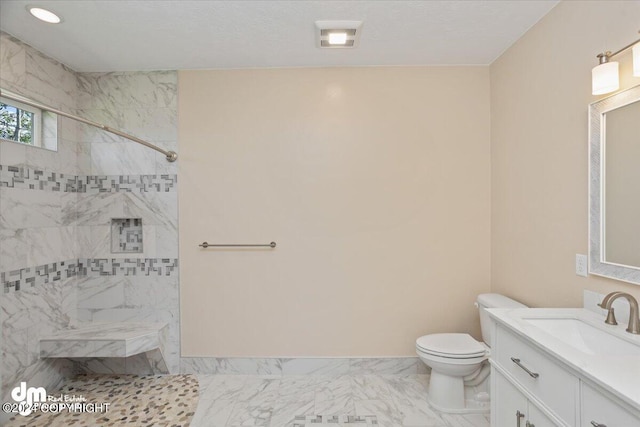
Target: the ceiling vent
pixel 338 34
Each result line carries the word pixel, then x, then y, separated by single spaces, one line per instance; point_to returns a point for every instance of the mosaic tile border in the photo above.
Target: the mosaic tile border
pixel 93 267
pixel 16 280
pixel 308 420
pixel 36 276
pixel 127 183
pixel 36 179
pixel 26 178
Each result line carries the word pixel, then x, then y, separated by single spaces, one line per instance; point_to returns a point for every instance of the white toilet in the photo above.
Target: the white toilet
pixel 457 360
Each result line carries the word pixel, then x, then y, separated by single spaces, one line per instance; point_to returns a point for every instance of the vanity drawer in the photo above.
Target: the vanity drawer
pixel 538 374
pixel 598 409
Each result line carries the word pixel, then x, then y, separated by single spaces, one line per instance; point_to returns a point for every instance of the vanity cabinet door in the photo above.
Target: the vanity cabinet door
pixel 536 418
pixel 598 409
pixel 537 373
pixel 509 404
pixel 513 409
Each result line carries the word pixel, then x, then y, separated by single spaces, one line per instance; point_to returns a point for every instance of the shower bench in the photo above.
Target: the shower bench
pixel 119 339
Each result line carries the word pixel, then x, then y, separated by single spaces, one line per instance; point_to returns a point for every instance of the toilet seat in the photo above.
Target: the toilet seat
pixel 452 361
pixel 451 346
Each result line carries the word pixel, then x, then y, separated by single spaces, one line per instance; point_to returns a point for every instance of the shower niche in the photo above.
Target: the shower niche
pixel 126 235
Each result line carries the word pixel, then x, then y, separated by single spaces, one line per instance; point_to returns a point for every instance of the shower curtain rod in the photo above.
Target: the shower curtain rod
pixel 171 156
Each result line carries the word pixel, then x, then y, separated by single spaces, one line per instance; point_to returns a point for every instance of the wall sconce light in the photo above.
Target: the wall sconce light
pixel 604 76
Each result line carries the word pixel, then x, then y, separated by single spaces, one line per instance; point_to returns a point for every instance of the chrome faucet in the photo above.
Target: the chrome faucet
pixel 634 319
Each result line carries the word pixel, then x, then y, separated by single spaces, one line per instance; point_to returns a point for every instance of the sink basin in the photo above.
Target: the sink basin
pixel 585 337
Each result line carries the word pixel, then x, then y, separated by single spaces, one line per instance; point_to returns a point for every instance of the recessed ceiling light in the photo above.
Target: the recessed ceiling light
pixel 44 15
pixel 337 38
pixel 338 34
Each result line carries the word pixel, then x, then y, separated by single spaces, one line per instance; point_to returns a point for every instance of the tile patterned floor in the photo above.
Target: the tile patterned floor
pixel 154 400
pixel 313 400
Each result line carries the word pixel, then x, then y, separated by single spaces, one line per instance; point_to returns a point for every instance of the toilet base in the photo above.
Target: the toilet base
pixel 449 395
pixel 471 407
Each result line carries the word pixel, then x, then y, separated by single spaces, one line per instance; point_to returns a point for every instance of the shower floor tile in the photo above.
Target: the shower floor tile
pixel 317 400
pixel 151 400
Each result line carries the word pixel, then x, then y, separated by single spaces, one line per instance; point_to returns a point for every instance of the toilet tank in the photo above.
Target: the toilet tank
pixel 485 301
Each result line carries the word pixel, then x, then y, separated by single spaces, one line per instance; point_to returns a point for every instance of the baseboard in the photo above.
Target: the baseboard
pixel 302 366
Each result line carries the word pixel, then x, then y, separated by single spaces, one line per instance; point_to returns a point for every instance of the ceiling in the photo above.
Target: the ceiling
pixel 121 35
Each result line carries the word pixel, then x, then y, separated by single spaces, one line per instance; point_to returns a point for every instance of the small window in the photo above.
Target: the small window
pixel 20 123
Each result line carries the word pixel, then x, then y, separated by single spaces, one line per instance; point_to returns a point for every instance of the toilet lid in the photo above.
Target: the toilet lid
pixel 451 344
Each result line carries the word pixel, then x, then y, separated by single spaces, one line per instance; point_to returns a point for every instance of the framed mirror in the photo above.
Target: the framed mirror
pixel 614 186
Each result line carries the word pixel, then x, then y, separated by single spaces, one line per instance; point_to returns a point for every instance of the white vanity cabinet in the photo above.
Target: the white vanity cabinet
pixel 523 375
pixel 598 410
pixel 533 386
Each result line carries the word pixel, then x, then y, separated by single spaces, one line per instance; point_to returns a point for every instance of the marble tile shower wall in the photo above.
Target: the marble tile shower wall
pixel 143 104
pixel 56 207
pixel 37 232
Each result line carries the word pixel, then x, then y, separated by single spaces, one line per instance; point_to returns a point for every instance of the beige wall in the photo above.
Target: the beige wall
pixel 375 183
pixel 540 92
